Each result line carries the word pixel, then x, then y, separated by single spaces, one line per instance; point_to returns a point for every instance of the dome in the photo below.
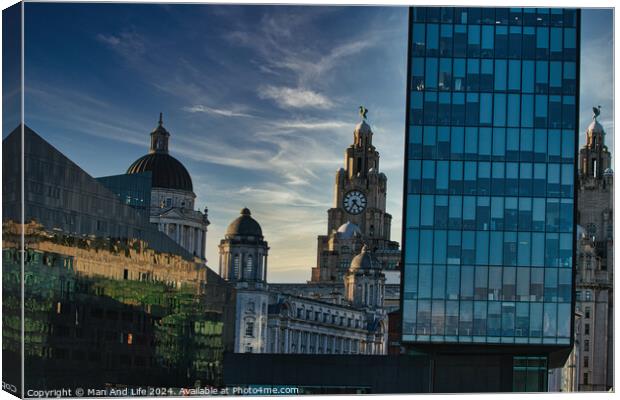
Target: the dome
pixel 608 172
pixel 363 127
pixel 365 261
pixel 348 230
pixel 596 127
pixel 244 225
pixel 167 172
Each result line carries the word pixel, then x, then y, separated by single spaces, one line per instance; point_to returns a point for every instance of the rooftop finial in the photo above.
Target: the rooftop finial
pixel 363 111
pixel 597 111
pixel 161 119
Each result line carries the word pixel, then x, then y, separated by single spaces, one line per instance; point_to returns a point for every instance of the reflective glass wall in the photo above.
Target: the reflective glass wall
pixel 492 128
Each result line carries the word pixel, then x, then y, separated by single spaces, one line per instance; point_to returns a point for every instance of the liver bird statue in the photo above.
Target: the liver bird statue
pixel 596 111
pixel 363 111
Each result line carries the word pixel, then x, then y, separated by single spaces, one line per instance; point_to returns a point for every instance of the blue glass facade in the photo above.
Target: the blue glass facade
pixel 490 175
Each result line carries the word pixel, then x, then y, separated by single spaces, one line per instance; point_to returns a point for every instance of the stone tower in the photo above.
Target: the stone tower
pixel 358 214
pixel 243 261
pixel 594 275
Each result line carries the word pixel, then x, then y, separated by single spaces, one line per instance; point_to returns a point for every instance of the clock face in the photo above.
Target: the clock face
pixel 354 202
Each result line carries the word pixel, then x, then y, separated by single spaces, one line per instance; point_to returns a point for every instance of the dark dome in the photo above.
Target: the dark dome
pixel 244 225
pixel 167 172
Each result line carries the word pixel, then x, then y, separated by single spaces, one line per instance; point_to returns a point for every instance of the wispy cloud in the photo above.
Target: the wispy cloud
pixel 216 111
pixel 287 97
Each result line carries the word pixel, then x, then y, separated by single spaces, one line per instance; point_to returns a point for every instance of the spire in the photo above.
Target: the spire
pixel 159 137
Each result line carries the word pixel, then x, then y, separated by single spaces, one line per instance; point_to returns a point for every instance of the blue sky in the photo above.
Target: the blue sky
pixel 260 101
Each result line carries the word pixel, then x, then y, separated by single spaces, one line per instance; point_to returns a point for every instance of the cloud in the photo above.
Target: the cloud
pixel 216 111
pixel 287 97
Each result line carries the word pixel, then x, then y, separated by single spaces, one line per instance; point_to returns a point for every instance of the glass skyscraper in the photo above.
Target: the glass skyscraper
pixel 490 176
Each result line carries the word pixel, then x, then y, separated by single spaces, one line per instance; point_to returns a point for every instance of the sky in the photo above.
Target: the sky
pixel 260 101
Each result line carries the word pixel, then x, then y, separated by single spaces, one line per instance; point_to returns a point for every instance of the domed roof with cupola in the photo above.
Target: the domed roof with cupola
pixel 365 260
pixel 166 171
pixel 244 225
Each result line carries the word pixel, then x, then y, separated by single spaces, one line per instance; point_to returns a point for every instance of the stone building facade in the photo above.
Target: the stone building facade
pixel 590 365
pixel 272 319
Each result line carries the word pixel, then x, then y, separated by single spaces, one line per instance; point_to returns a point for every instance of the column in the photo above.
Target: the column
pixel 287 338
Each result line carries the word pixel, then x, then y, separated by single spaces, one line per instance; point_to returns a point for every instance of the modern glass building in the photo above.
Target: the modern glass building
pixel 490 176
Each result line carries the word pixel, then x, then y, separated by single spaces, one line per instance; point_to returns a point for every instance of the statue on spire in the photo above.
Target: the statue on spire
pixel 161 118
pixel 363 112
pixel 596 111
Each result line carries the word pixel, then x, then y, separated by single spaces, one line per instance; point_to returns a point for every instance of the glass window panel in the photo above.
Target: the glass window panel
pixel 468 252
pixel 523 284
pixel 525 249
pixel 417 108
pixel 454 247
pixel 495 283
pixel 481 282
pixel 510 248
pixel 431 74
pixel 417 71
pixel 467 282
pixel 565 251
pixel 497 213
pixel 486 75
pixel 483 213
pixel 514 108
pixel 440 247
pixel 542 43
pixel 412 237
pixel 418 39
pixel 452 318
pixel 487 45
pixel 525 179
pixel 482 248
pixel 426 211
pixel 480 318
pixel 472 109
pixel 441 212
pixel 458 109
pixel 494 319
pixel 443 142
pixel 564 320
pixel 469 177
pixel 428 176
pixel 457 142
pixel 460 40
pixel 414 171
pixel 413 211
pixel 514 42
pixel 445 41
pixel 500 75
pixel 529 42
pixel 540 113
pixel 453 281
pixel 499 110
pixel 455 212
pixel 469 212
pixel 536 320
pixel 445 74
pixel 439 281
pixel 522 320
pixel 508 319
pixel 486 105
pixel 501 41
pixel 426 246
pixel 512 179
pixel 540 145
pixel 514 75
pixel 473 74
pixel 568 112
pixel 484 178
pixel 432 40
pixel 497 186
pixel 568 146
pixel 471 143
pixel 527 82
pixel 424 281
pixel 430 137
pixel 527 111
pixel 564 284
pixel 552 247
pixel 538 249
pixel 499 144
pixel 496 246
pixel 456 177
pixel 473 41
pixel 525 214
pixel 566 188
pixel 566 215
pixel 550 320
pixel 459 74
pixel 411 280
pixel 466 318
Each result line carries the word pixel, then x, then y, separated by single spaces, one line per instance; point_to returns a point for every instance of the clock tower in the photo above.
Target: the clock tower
pixel 358 214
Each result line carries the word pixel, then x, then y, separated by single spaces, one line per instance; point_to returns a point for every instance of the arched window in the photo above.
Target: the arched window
pixel 249 265
pixel 236 265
